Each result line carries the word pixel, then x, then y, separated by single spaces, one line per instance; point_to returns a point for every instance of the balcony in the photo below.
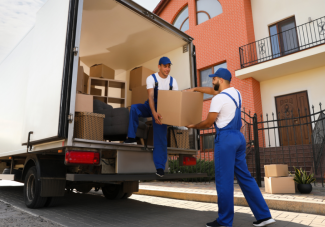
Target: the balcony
pixel 297 49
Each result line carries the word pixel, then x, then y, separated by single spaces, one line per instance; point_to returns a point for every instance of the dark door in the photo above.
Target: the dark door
pixel 293 119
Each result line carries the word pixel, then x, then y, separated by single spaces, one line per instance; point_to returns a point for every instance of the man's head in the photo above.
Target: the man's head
pixel 164 66
pixel 221 79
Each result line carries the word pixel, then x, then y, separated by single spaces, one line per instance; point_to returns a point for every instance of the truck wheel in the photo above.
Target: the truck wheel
pixel 127 195
pixel 113 191
pixel 32 190
pixel 52 201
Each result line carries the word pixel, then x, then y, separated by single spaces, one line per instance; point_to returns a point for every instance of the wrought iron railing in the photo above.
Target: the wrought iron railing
pixel 283 43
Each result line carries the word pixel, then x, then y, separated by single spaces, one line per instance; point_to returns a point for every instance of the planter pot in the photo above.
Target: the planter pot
pixel 305 188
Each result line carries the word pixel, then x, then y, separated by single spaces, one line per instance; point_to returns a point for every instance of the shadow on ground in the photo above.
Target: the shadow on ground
pixel 95 210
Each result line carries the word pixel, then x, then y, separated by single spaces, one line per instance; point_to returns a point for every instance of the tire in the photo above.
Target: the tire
pixel 32 190
pixel 127 195
pixel 53 201
pixel 113 191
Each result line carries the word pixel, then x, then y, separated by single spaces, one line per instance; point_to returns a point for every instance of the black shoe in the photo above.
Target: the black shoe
pixel 160 172
pixel 213 224
pixel 131 141
pixel 264 222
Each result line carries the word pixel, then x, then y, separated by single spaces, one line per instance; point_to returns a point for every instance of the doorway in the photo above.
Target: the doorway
pixel 293 116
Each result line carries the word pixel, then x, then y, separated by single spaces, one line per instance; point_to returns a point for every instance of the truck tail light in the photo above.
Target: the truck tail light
pixel 188 161
pixel 82 157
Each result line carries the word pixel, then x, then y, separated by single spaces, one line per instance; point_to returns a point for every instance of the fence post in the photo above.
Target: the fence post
pixel 257 152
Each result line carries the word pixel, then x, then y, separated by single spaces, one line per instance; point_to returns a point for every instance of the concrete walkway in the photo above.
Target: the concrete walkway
pixel 313 203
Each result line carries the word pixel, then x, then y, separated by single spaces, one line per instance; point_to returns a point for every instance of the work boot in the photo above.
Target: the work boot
pixel 264 222
pixel 160 172
pixel 213 224
pixel 130 141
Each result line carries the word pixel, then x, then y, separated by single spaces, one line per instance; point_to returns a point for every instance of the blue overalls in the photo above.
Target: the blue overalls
pixel 159 131
pixel 229 159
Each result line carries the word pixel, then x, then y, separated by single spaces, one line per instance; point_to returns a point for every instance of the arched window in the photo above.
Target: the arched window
pixel 181 22
pixel 207 9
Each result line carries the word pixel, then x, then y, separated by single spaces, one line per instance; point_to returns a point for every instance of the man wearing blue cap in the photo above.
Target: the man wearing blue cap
pixel 157 81
pixel 230 152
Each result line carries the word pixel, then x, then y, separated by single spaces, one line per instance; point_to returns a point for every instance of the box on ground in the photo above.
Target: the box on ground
pixel 180 108
pixel 139 95
pixel 89 126
pixel 138 77
pixel 80 79
pixel 102 71
pixel 84 103
pixel 279 185
pixel 276 170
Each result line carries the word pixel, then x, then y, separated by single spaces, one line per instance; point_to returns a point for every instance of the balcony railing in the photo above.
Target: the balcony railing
pixel 283 43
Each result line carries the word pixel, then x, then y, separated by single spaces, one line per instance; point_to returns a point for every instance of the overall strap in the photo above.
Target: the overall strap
pixel 239 99
pixel 171 83
pixel 156 81
pixel 231 98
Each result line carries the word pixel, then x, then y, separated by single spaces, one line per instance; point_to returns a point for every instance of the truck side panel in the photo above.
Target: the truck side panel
pixel 46 70
pixel 14 71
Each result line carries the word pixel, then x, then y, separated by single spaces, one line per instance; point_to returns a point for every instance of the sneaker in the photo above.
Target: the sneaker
pixel 160 172
pixel 130 141
pixel 264 222
pixel 213 224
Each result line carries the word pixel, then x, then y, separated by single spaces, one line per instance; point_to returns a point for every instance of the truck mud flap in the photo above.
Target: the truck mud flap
pixel 130 177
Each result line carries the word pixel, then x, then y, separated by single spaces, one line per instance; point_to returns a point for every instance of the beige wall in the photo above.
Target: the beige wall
pixel 267 12
pixel 312 81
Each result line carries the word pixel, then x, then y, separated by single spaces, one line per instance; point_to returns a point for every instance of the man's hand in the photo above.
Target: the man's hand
pixel 190 126
pixel 157 118
pixel 189 90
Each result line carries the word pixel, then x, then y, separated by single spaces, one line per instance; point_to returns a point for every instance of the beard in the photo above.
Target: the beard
pixel 216 87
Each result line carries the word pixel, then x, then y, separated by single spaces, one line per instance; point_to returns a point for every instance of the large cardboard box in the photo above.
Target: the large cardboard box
pixel 80 79
pixel 180 108
pixel 102 71
pixel 139 95
pixel 276 170
pixel 84 103
pixel 279 185
pixel 138 77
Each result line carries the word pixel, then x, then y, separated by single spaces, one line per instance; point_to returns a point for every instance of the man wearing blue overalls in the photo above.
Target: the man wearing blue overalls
pixel 230 152
pixel 158 81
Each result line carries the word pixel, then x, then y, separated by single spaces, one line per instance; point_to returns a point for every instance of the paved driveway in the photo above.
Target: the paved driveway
pixel 94 210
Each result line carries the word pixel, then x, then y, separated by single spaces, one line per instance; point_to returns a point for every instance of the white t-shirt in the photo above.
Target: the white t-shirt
pixel 163 83
pixel 225 106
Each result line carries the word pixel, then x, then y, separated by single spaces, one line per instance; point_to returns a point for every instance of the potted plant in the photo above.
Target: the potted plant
pixel 303 180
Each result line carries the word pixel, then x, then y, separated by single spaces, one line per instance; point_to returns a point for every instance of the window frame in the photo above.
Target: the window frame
pixel 202 11
pixel 202 142
pixel 280 44
pixel 212 72
pixel 187 18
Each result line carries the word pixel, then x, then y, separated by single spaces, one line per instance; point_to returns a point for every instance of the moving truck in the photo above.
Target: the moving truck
pixel 38 97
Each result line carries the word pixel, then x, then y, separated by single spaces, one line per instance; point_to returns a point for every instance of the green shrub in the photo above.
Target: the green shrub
pixel 202 166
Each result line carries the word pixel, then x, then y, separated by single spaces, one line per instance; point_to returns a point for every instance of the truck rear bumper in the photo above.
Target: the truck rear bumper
pixel 130 177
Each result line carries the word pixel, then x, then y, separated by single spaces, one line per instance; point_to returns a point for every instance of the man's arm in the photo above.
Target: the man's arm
pixel 207 123
pixel 151 97
pixel 206 90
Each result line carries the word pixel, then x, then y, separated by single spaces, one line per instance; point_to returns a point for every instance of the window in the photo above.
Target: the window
pixel 182 22
pixel 206 81
pixel 207 142
pixel 284 39
pixel 207 9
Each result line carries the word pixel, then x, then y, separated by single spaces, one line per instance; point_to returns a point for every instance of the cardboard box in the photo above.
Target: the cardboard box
pixel 139 95
pixel 86 79
pixel 180 108
pixel 138 77
pixel 102 71
pixel 95 91
pixel 276 170
pixel 84 103
pixel 80 79
pixel 279 185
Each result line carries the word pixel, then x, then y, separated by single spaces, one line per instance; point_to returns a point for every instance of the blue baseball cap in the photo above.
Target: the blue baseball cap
pixel 222 73
pixel 164 61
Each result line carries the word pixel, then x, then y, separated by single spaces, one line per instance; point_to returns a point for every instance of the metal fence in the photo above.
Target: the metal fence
pixel 293 137
pixel 283 43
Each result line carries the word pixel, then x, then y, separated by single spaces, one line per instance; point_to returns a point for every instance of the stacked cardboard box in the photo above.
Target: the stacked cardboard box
pixel 137 85
pixel 277 179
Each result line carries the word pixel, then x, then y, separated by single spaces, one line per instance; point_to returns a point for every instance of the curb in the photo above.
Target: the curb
pixel 276 204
